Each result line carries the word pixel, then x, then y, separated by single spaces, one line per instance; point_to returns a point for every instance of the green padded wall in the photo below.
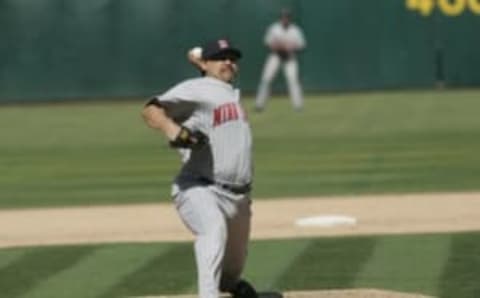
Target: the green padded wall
pixel 62 49
pixel 366 44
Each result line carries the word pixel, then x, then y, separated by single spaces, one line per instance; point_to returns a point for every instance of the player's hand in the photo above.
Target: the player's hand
pixel 284 55
pixel 188 139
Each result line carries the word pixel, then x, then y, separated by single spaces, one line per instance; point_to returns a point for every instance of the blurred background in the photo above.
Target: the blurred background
pixel 61 50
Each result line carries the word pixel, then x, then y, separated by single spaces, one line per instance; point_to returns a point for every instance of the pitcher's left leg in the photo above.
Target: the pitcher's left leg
pixel 236 252
pixel 199 210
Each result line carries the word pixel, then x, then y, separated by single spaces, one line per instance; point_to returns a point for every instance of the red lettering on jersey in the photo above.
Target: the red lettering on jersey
pixel 217 116
pixel 232 112
pixel 225 113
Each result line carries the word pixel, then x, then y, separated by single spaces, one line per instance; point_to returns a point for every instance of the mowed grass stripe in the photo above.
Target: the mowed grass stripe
pixel 461 276
pixel 97 272
pixel 328 263
pixel 37 265
pixel 372 114
pixel 99 175
pixel 8 256
pixel 374 165
pixel 406 263
pixel 172 272
pixel 268 260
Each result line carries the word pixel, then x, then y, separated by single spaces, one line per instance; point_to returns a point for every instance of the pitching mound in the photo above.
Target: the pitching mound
pixel 357 293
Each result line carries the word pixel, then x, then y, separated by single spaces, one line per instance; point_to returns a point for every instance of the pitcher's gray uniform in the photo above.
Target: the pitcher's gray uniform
pixel 284 39
pixel 212 190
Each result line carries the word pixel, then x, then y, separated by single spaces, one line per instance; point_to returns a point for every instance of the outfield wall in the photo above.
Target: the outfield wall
pixel 56 49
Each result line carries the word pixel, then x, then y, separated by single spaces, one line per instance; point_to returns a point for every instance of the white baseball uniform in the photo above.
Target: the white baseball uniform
pixel 212 190
pixel 292 37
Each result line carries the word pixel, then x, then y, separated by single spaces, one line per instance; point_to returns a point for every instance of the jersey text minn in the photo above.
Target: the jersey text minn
pixel 227 112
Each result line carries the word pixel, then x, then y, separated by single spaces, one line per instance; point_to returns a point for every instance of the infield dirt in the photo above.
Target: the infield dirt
pixel 388 214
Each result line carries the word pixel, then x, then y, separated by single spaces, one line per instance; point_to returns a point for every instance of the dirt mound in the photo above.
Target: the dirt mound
pixel 354 293
pixel 357 293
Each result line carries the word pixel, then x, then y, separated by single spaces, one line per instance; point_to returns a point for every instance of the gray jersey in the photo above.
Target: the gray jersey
pixel 291 36
pixel 212 107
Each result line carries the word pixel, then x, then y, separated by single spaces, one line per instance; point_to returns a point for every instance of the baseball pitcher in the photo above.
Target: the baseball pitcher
pixel 204 120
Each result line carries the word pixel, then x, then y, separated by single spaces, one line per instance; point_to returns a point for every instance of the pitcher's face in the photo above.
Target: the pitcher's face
pixel 222 68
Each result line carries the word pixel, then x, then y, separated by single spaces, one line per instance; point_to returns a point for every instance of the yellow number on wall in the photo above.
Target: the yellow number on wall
pixel 425 7
pixel 474 6
pixel 452 7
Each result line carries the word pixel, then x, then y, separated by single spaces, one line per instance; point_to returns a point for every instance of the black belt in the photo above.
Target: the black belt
pixel 236 189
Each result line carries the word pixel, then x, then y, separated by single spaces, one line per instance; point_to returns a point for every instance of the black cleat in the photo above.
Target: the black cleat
pixel 270 295
pixel 244 290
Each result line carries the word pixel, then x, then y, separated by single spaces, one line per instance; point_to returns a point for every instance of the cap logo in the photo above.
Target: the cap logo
pixel 222 43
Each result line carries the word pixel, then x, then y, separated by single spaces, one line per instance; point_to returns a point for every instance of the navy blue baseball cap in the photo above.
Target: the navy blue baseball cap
pixel 220 49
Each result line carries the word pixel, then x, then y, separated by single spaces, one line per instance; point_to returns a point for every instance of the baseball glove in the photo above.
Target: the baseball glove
pixel 188 139
pixel 284 54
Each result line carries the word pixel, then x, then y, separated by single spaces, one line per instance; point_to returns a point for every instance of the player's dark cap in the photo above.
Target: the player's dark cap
pixel 220 49
pixel 285 13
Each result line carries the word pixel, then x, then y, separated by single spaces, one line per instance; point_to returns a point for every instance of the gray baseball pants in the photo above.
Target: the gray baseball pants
pixel 220 222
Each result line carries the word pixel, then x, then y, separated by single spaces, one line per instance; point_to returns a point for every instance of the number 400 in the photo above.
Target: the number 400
pixel 448 7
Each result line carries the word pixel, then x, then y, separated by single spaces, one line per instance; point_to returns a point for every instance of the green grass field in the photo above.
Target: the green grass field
pixel 442 265
pixel 101 153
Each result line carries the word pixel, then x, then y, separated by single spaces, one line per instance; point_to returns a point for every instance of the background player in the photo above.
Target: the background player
pixel 203 118
pixel 284 39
